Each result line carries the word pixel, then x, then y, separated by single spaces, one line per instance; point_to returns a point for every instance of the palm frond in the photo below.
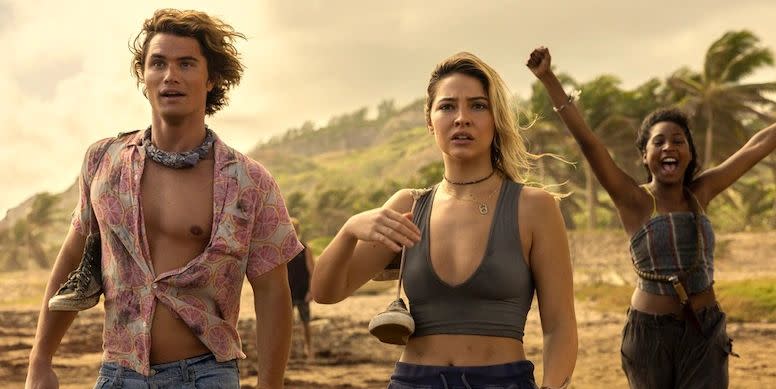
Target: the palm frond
pixel 724 50
pixel 747 63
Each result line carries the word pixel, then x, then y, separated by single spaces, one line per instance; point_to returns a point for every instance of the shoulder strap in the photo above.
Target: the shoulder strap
pixel 698 203
pixel 654 202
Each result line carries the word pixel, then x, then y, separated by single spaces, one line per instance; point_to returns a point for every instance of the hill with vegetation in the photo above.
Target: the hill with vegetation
pixel 356 161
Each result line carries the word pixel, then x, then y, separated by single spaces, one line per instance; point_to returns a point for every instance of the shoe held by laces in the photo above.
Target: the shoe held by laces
pixel 394 325
pixel 83 287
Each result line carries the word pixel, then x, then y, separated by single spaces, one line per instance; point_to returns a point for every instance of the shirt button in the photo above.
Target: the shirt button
pixel 155 286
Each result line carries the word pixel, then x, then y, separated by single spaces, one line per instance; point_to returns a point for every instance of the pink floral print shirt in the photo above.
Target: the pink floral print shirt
pixel 251 235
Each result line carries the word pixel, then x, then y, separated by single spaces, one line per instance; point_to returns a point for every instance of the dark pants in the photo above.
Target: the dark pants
pixel 515 375
pixel 304 309
pixel 665 351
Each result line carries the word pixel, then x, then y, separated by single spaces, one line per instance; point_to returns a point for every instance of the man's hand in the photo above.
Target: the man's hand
pixel 41 376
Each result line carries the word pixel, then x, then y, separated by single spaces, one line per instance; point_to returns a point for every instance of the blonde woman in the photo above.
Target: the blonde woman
pixel 479 243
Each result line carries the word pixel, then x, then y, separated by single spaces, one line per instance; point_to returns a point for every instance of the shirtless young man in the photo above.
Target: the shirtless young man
pixel 183 219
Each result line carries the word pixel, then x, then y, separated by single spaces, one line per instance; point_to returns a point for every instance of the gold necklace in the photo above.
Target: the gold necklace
pixel 483 205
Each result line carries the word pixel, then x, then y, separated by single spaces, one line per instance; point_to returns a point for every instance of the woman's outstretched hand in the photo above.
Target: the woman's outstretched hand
pixel 385 226
pixel 539 62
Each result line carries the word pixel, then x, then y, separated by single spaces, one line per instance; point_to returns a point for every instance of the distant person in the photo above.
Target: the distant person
pixel 675 336
pixel 179 220
pixel 478 245
pixel 299 270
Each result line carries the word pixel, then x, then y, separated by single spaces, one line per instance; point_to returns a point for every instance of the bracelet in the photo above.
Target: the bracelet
pixel 572 96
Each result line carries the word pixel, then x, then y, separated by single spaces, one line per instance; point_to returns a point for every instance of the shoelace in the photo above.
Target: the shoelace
pixel 78 279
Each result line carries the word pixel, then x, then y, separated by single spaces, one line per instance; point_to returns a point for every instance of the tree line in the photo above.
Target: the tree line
pixel 316 167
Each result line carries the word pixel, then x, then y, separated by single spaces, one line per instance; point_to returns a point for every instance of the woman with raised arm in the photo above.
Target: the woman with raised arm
pixel 675 335
pixel 477 245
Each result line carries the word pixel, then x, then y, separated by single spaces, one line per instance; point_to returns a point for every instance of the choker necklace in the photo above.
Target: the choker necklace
pixel 184 160
pixel 483 205
pixel 470 182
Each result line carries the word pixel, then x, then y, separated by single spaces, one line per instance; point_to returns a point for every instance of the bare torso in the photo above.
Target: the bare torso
pixel 178 215
pixel 458 239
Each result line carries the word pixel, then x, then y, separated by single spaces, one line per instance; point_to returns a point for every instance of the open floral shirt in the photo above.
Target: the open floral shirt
pixel 251 235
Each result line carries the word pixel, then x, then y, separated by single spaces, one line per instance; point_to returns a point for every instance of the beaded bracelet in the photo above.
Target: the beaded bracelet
pixel 572 96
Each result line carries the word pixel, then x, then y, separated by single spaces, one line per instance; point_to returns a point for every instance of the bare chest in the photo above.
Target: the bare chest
pixel 177 205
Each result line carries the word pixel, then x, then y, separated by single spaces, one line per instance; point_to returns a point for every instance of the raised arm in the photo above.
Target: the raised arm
pixel 53 325
pixel 551 269
pixel 621 187
pixel 713 181
pixel 362 247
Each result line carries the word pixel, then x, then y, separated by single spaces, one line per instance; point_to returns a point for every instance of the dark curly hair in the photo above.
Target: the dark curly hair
pixel 679 118
pixel 216 40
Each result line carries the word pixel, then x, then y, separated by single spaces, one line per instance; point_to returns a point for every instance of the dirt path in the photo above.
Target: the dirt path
pixel 348 357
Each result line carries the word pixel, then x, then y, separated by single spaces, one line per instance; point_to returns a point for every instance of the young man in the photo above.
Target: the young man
pixel 182 219
pixel 299 270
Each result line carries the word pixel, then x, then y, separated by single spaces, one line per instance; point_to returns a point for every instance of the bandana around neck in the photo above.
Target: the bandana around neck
pixel 184 160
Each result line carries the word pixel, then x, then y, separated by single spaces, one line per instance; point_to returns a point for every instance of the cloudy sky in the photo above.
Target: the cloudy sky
pixel 65 77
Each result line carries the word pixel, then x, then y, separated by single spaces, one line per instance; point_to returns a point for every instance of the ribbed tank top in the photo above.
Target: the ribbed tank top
pixel 494 300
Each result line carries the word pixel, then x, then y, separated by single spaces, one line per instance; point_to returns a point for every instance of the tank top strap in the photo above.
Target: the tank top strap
pixel 652 196
pixel 510 194
pixel 698 203
pixel 422 200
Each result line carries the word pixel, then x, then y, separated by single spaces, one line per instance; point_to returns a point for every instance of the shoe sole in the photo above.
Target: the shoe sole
pixel 392 327
pixel 63 303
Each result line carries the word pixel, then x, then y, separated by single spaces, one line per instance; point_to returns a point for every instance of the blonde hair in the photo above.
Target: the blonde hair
pixel 508 152
pixel 216 40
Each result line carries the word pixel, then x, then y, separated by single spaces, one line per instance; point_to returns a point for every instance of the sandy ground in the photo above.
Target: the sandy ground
pixel 346 356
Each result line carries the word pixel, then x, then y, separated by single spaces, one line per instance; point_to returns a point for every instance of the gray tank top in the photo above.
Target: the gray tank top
pixel 494 301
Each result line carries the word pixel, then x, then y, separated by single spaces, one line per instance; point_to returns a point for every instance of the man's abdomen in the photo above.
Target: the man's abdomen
pixel 172 339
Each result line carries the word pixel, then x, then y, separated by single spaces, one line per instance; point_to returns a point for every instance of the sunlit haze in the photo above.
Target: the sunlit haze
pixel 66 82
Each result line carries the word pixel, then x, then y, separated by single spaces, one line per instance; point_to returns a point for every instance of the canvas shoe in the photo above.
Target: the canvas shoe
pixel 394 325
pixel 83 287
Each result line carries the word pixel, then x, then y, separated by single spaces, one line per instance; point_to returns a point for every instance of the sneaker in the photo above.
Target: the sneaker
pixel 394 325
pixel 83 287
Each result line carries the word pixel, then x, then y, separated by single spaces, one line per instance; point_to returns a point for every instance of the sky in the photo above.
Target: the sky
pixel 66 82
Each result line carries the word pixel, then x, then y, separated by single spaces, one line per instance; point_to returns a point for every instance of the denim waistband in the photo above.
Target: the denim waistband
pixel 181 368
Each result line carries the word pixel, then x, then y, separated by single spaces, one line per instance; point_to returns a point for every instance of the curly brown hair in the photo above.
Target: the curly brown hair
pixel 216 40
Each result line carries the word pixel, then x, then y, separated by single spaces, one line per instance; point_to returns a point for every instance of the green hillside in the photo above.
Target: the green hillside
pixel 356 161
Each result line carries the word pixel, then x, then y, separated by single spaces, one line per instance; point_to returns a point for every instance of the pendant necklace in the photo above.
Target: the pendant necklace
pixel 482 205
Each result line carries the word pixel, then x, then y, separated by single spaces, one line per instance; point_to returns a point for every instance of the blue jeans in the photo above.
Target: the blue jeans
pixel 198 372
pixel 515 375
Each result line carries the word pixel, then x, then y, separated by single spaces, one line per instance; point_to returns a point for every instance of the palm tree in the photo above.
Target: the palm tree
pixel 717 97
pixel 602 104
